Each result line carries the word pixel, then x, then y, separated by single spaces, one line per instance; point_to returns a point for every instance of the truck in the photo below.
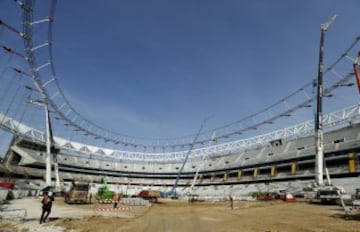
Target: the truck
pixel 323 194
pixel 328 193
pixel 78 193
pixel 151 195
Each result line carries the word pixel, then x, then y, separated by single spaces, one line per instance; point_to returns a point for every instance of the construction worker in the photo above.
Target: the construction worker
pixel 116 199
pixel 231 202
pixel 90 197
pixel 47 200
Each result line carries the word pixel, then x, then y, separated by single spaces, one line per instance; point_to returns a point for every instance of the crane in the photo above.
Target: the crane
pixel 173 190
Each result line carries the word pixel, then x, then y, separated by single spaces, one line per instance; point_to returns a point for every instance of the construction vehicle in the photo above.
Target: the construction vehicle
pixel 351 202
pixel 326 194
pixel 104 194
pixel 151 195
pixel 266 196
pixel 78 193
pixel 322 194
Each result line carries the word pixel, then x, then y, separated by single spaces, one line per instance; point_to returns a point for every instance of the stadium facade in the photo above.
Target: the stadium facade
pixel 282 159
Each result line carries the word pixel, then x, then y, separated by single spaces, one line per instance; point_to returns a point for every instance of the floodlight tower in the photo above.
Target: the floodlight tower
pixel 319 137
pixel 47 139
pixel 49 144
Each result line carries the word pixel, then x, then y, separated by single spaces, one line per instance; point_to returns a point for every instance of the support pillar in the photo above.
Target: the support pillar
pixel 239 174
pixel 273 171
pixel 293 168
pixel 225 176
pixel 255 172
pixel 352 162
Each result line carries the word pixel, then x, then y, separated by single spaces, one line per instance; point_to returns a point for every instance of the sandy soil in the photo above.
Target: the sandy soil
pixel 177 216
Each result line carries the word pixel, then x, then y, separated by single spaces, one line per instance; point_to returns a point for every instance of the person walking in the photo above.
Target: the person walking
pixel 90 197
pixel 231 202
pixel 116 200
pixel 47 200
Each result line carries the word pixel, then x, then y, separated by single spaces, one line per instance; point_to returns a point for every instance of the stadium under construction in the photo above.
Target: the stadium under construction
pixel 225 160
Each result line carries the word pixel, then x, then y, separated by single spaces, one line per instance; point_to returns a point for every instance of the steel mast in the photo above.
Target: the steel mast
pixel 319 136
pixel 47 138
pixel 49 141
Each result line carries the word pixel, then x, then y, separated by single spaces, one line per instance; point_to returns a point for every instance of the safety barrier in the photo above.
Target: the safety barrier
pixel 105 201
pixel 126 201
pixel 108 209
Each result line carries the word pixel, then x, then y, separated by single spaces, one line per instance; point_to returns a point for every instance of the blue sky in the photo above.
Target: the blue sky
pixel 158 68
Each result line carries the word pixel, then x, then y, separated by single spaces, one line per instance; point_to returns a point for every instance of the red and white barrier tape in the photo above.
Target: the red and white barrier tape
pixel 108 209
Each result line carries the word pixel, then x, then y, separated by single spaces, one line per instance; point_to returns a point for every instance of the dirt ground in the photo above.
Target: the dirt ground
pixel 180 216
